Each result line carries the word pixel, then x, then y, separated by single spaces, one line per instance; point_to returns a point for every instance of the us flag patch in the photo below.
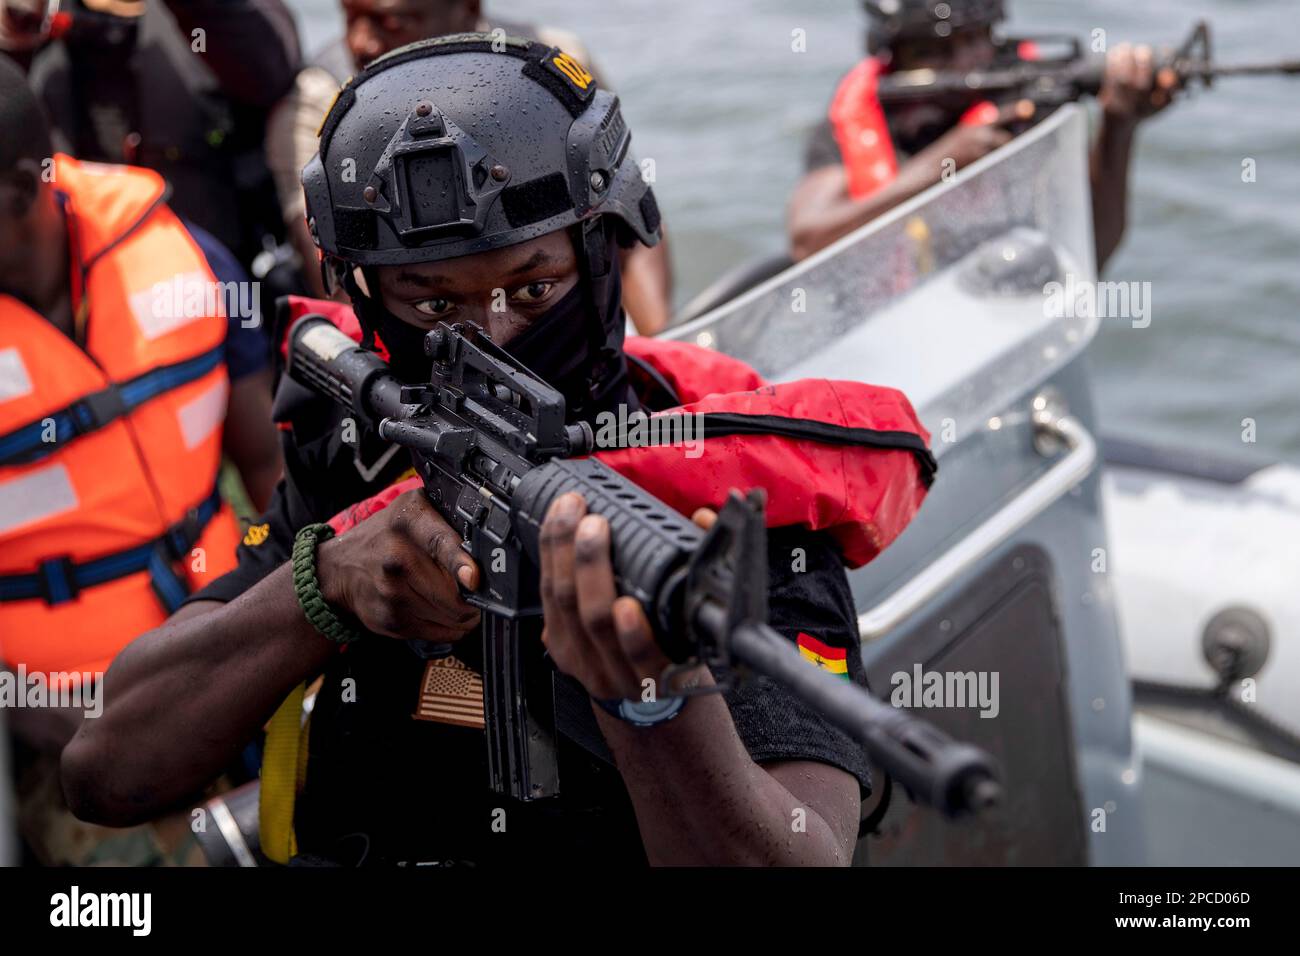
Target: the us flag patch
pixel 450 693
pixel 833 659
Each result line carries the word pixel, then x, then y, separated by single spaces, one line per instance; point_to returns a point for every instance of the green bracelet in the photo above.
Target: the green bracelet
pixel 307 586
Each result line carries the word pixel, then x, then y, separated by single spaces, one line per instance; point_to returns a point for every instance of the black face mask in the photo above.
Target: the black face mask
pixel 556 345
pixel 568 348
pixel 405 345
pixel 575 346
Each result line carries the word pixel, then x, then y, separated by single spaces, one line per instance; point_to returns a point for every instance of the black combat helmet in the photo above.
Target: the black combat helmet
pixel 461 144
pixel 472 142
pixel 893 20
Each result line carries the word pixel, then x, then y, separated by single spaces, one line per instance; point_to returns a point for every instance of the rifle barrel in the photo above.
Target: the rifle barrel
pixel 1204 71
pixel 954 778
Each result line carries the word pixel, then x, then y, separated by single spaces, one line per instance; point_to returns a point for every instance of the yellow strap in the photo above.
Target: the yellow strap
pixel 283 763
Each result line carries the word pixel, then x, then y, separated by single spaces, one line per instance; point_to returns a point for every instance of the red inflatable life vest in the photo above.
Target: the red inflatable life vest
pixel 862 133
pixel 846 458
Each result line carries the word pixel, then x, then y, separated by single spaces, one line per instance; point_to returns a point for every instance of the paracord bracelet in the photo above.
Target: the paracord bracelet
pixel 307 586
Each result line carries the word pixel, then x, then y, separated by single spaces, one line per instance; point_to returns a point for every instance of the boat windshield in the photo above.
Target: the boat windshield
pixel 963 297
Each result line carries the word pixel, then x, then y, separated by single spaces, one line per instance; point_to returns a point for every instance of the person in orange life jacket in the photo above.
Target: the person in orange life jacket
pixel 861 162
pixel 373 28
pixel 536 233
pixel 113 414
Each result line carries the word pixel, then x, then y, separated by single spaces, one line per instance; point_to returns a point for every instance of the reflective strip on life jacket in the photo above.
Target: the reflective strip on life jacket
pixel 60 579
pixel 35 496
pixel 54 430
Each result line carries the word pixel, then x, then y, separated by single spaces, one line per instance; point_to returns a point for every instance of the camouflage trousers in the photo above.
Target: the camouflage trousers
pixel 57 838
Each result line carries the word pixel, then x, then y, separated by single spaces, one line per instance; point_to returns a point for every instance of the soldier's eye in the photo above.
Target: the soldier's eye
pixel 433 306
pixel 533 292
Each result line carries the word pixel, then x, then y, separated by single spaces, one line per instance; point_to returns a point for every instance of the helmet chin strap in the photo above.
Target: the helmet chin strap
pixel 598 267
pixel 341 274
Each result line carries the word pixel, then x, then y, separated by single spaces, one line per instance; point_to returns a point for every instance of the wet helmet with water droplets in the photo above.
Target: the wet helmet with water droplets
pixel 894 20
pixel 466 143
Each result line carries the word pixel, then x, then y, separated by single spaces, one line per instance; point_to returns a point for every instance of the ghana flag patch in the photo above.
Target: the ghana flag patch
pixel 833 659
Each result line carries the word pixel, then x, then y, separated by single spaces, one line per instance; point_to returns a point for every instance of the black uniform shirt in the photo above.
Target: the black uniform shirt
pixel 383 787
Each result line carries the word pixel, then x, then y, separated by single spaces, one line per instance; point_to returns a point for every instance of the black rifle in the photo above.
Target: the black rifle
pixel 490 442
pixel 1053 78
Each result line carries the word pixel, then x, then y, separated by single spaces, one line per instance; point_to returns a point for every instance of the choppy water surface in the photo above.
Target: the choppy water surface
pixel 718 99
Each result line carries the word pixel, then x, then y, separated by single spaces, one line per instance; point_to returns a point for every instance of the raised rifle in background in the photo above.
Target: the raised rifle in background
pixel 1052 70
pixel 491 444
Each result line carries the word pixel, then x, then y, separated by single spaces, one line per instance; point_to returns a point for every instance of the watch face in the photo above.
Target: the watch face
pixel 646 713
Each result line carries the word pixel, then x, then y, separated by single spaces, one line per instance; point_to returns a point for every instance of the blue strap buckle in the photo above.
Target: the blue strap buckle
pixel 98 409
pixel 183 535
pixel 58 580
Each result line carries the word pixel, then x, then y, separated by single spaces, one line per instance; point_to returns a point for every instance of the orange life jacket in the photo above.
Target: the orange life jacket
pixel 862 133
pixel 109 454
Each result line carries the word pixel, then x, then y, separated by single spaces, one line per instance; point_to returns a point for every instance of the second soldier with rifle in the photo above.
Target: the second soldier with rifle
pixel 871 154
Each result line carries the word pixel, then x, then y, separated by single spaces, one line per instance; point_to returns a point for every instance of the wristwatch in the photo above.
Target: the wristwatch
pixel 643 713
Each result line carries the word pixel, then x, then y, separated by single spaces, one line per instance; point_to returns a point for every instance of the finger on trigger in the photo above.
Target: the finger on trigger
pixel 421 522
pixel 452 557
